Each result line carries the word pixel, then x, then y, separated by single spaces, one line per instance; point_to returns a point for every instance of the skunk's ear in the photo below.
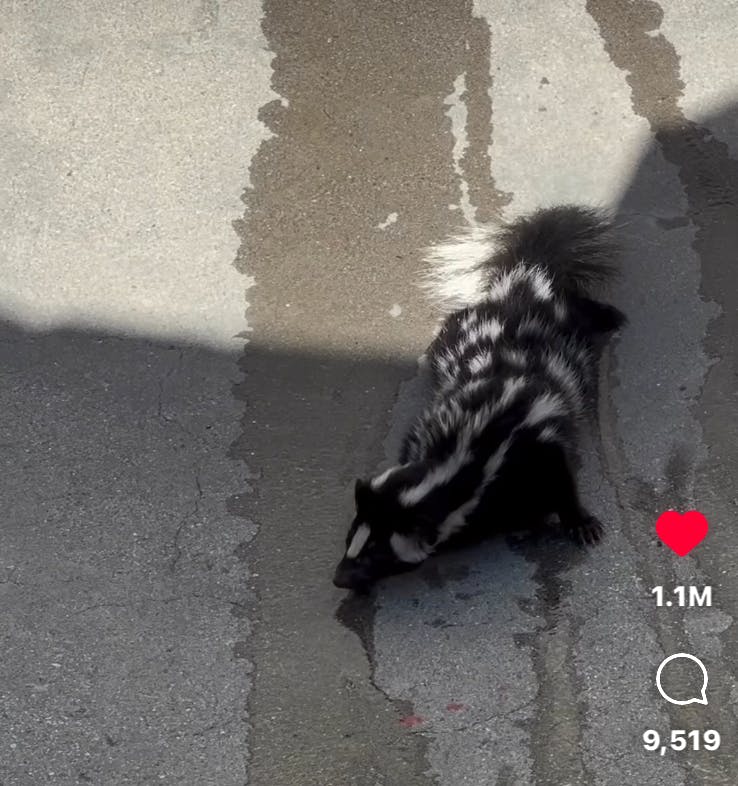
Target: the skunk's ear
pixel 362 490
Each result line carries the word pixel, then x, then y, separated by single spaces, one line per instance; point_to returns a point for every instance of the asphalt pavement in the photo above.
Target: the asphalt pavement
pixel 213 217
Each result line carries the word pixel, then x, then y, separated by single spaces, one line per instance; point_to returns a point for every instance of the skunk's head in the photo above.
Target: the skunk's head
pixel 385 538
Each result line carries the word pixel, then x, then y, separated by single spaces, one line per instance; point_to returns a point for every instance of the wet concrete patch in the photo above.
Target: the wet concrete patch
pixel 360 133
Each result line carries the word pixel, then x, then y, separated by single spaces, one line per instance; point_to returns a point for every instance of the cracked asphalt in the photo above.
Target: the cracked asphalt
pixel 212 223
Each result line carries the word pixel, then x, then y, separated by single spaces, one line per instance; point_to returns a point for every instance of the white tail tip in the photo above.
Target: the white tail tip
pixel 455 276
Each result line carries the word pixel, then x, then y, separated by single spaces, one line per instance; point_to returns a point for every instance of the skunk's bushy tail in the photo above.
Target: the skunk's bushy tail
pixel 573 244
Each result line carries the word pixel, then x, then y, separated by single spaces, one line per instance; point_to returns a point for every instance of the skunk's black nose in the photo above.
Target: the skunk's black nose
pixel 351 576
pixel 341 581
pixel 345 575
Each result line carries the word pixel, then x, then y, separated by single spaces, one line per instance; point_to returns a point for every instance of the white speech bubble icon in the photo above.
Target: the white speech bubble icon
pixel 702 699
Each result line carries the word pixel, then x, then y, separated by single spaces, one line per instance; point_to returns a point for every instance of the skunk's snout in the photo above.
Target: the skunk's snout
pixel 349 575
pixel 342 578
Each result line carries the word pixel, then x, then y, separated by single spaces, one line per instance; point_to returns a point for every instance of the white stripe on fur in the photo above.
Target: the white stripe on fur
pixel 450 416
pixel 564 374
pixel 441 474
pixel 436 477
pixel 473 385
pixel 380 480
pixel 456 520
pixel 358 541
pixel 549 405
pixel 511 387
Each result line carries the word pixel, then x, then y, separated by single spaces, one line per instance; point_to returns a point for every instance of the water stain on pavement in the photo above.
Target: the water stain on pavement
pixel 360 133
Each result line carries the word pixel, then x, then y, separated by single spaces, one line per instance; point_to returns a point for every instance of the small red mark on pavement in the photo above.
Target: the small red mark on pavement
pixel 411 721
pixel 454 707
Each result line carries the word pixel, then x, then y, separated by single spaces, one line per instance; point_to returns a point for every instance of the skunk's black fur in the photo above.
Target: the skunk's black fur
pixel 513 365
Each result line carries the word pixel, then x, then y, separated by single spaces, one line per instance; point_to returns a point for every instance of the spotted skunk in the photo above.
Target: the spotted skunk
pixel 513 365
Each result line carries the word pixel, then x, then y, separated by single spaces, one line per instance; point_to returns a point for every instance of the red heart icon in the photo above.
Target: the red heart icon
pixel 681 532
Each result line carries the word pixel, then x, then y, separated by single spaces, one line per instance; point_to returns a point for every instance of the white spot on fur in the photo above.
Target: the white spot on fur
pixel 549 434
pixel 480 362
pixel 489 330
pixel 396 310
pixel 469 321
pixel 515 356
pixel 391 219
pixel 540 284
pixel 407 549
pixel 358 541
pixel 549 405
pixel 502 287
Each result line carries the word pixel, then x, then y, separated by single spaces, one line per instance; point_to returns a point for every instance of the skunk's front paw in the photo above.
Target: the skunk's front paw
pixel 587 531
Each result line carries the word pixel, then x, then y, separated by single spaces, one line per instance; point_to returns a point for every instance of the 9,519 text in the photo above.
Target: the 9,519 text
pixel 681 739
